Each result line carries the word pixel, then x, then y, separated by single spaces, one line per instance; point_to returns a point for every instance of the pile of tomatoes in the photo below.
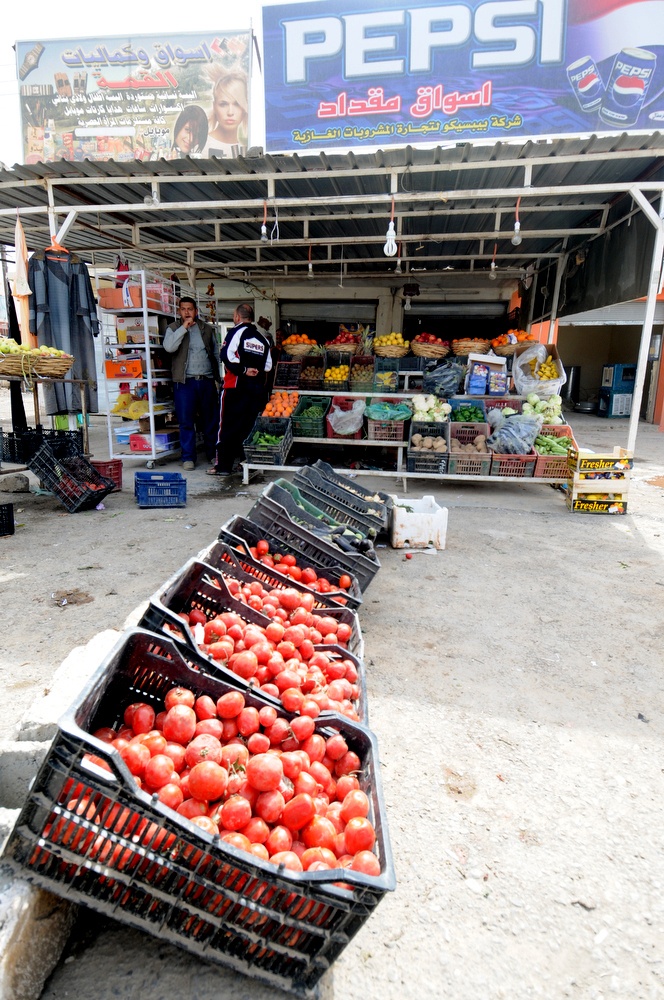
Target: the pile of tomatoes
pixel 280 657
pixel 288 565
pixel 275 788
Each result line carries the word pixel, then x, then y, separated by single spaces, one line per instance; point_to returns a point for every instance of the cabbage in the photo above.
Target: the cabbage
pixel 555 400
pixel 528 407
pixel 533 398
pixel 540 406
pixel 508 411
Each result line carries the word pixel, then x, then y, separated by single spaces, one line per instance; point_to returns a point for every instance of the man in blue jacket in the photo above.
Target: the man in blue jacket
pixel 247 360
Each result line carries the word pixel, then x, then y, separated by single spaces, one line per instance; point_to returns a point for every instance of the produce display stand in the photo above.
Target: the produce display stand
pixel 149 296
pixel 401 472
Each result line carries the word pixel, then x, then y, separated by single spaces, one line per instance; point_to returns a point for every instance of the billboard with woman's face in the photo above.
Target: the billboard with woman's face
pixel 148 98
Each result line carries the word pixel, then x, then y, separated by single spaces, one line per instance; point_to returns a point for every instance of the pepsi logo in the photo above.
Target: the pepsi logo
pixel 587 83
pixel 628 90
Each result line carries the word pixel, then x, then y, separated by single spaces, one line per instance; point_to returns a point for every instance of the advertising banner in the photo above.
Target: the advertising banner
pixel 394 73
pixel 146 98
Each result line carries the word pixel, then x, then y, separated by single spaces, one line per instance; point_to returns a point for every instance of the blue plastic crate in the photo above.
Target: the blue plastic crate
pixel 160 489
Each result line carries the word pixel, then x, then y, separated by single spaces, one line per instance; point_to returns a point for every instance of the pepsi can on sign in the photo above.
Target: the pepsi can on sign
pixel 586 83
pixel 633 69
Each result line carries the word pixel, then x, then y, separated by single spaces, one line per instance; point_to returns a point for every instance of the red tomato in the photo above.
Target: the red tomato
pixel 318 855
pixel 344 632
pixel 348 764
pixel 105 734
pixel 158 771
pixel 291 699
pixel 303 726
pixel 298 812
pixel 208 781
pixel 345 581
pixel 319 832
pixel 258 743
pixel 280 839
pixel 171 795
pixel 197 617
pixel 366 862
pixel 269 806
pixel 262 547
pixel 336 747
pixel 288 859
pixel 212 726
pixel 154 741
pixel 234 756
pixel 179 724
pixel 203 747
pixel 288 560
pixel 230 704
pixel 179 696
pixel 191 808
pixel 142 719
pixel 267 715
pixel 309 575
pixel 345 784
pixel 205 708
pixel 245 664
pixel 260 850
pixel 235 813
pixel 248 721
pixel 136 756
pixel 356 803
pixel 177 754
pixel 256 830
pixel 264 772
pixel 315 747
pixel 359 834
pixel 292 765
pixel 206 824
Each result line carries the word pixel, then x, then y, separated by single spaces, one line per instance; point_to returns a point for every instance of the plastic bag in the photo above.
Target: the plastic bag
pixel 388 411
pixel 515 435
pixel 526 383
pixel 443 379
pixel 346 421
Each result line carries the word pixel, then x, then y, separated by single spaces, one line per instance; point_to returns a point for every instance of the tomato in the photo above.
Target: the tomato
pixel 235 813
pixel 321 774
pixel 259 849
pixel 278 731
pixel 366 862
pixel 310 708
pixel 305 784
pixel 248 721
pixel 269 806
pixel 220 650
pixel 298 812
pixel 315 747
pixel 234 756
pixel 203 747
pixel 295 572
pixel 360 835
pixel 318 855
pixel 344 632
pixel 319 832
pixel 171 795
pixel 288 859
pixel 158 771
pixel 309 575
pixel 256 830
pixel 206 824
pixel 205 708
pixel 345 581
pixel 258 743
pixel 105 734
pixel 237 840
pixel 291 699
pixel 179 696
pixel 230 705
pixel 197 617
pixel 214 727
pixel 267 715
pixel 348 764
pixel 264 772
pixel 280 839
pixel 356 803
pixel 245 664
pixel 292 765
pixel 177 754
pixel 136 756
pixel 262 547
pixel 345 784
pixel 288 560
pixel 336 747
pixel 180 723
pixel 208 781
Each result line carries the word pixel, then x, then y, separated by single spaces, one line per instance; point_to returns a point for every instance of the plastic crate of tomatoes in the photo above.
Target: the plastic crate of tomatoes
pixel 343 497
pixel 76 484
pixel 262 567
pixel 110 824
pixel 275 626
pixel 327 557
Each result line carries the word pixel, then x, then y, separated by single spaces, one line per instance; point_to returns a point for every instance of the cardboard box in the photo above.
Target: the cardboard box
pixel 585 505
pixel 159 298
pixel 163 441
pixel 124 368
pixel 619 460
pixel 494 364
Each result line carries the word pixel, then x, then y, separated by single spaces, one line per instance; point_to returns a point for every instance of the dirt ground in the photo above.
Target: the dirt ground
pixel 515 689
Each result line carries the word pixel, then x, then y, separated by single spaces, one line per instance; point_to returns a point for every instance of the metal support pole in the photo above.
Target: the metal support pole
pixel 560 270
pixel 651 301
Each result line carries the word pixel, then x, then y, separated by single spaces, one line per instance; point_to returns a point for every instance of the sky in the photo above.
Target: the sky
pixel 38 19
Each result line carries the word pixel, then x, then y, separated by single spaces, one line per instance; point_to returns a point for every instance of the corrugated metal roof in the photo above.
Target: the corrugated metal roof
pixel 451 204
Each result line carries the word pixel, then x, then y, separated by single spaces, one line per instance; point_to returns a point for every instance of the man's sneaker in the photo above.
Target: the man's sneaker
pixel 188 466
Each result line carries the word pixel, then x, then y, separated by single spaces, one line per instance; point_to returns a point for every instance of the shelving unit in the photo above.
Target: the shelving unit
pixel 142 309
pixel 400 446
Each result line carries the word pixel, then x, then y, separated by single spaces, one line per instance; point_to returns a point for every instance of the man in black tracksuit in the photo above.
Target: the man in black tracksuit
pixel 247 360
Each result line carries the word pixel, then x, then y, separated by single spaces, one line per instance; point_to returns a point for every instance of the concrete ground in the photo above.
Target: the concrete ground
pixel 514 687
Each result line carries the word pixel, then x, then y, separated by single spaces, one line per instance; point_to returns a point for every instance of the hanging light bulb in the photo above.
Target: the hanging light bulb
pixel 517 238
pixel 406 304
pixel 310 269
pixel 397 269
pixel 390 247
pixel 492 271
pixel 264 226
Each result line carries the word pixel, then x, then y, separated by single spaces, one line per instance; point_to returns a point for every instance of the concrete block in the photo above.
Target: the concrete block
pixel 19 762
pixel 14 482
pixel 34 927
pixel 40 721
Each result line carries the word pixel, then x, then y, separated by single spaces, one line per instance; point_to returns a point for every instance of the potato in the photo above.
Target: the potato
pixel 416 440
pixel 427 443
pixel 439 444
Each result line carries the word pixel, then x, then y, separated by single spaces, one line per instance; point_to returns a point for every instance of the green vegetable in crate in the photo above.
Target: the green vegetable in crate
pixel 547 444
pixel 313 412
pixel 264 440
pixel 468 413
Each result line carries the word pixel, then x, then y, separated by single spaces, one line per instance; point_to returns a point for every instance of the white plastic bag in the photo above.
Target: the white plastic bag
pixel 346 422
pixel 525 383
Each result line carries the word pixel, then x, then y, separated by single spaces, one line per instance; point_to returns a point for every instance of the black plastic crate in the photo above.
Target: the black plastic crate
pixel 362 382
pixel 275 454
pixel 287 374
pixel 221 554
pixel 198 585
pixel 6 519
pixel 287 537
pixel 309 426
pixel 386 375
pixel 366 514
pixel 92 837
pixel 346 483
pixel 77 484
pixel 428 461
pixel 310 516
pixel 18 447
pixel 312 364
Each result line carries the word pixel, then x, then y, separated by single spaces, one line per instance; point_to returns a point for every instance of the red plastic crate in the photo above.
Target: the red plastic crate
pixel 344 404
pixel 111 470
pixel 553 466
pixel 516 466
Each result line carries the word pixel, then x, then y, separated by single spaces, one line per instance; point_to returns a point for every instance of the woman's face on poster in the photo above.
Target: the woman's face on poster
pixel 229 105
pixel 184 139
